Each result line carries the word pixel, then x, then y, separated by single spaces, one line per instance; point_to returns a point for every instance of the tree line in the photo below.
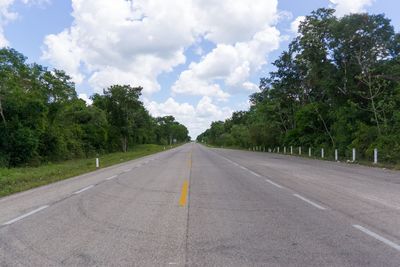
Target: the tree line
pixel 42 119
pixel 336 86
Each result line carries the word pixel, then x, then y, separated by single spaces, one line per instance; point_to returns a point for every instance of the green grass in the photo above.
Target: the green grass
pixel 20 179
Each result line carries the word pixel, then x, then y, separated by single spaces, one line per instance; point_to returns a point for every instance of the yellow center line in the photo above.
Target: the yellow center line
pixel 185 188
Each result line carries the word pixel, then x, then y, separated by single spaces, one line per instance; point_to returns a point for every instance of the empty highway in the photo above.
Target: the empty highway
pixel 197 206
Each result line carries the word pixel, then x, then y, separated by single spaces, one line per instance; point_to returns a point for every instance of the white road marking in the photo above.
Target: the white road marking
pixel 273 183
pixel 255 174
pixel 83 189
pixel 26 215
pixel 112 177
pixel 309 202
pixel 378 237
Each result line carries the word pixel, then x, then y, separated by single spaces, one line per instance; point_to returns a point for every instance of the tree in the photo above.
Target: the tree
pixel 121 104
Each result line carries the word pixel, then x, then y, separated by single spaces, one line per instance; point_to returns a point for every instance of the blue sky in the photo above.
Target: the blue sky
pixel 198 60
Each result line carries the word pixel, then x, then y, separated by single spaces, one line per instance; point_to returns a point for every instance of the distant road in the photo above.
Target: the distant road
pixel 196 206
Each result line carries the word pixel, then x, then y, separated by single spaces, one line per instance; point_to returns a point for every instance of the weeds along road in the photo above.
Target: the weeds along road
pixel 197 206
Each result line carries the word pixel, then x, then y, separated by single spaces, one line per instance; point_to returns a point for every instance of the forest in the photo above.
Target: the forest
pixel 42 119
pixel 336 86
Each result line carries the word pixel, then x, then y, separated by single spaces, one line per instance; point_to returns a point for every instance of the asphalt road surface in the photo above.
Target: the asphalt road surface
pixel 196 206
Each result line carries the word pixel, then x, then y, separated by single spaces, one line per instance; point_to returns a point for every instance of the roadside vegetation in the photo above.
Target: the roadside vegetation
pixel 335 87
pixel 13 180
pixel 42 120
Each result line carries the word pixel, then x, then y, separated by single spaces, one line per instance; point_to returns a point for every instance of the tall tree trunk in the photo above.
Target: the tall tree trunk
pixel 1 113
pixel 376 115
pixel 124 142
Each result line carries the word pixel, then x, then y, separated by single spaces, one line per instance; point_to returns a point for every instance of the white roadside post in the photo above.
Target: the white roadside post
pixel 284 150
pixel 375 156
pixel 336 155
pixel 291 150
pixel 300 150
pixel 278 149
pixel 354 154
pixel 322 153
pixel 97 163
pixel 309 152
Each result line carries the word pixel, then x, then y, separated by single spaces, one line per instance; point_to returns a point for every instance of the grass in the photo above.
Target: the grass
pixel 20 179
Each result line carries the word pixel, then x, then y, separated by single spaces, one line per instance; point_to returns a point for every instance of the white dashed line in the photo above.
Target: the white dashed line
pixel 112 177
pixel 378 237
pixel 25 215
pixel 255 174
pixel 83 189
pixel 309 202
pixel 274 184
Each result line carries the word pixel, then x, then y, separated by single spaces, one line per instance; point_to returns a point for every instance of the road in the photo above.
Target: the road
pixel 196 206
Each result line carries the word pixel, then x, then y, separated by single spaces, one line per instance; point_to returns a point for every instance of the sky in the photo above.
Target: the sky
pixel 198 60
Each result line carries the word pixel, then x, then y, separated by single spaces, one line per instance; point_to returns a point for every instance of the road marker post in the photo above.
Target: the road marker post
pixel 278 149
pixel 322 153
pixel 309 152
pixel 291 150
pixel 354 154
pixel 97 163
pixel 375 156
pixel 336 155
pixel 300 150
pixel 284 150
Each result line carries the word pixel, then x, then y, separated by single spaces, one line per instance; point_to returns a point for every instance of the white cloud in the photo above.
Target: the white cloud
pixel 135 41
pixel 231 64
pixel 294 26
pixel 229 22
pixel 344 7
pixel 86 98
pixel 123 41
pixel 196 118
pixel 64 53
